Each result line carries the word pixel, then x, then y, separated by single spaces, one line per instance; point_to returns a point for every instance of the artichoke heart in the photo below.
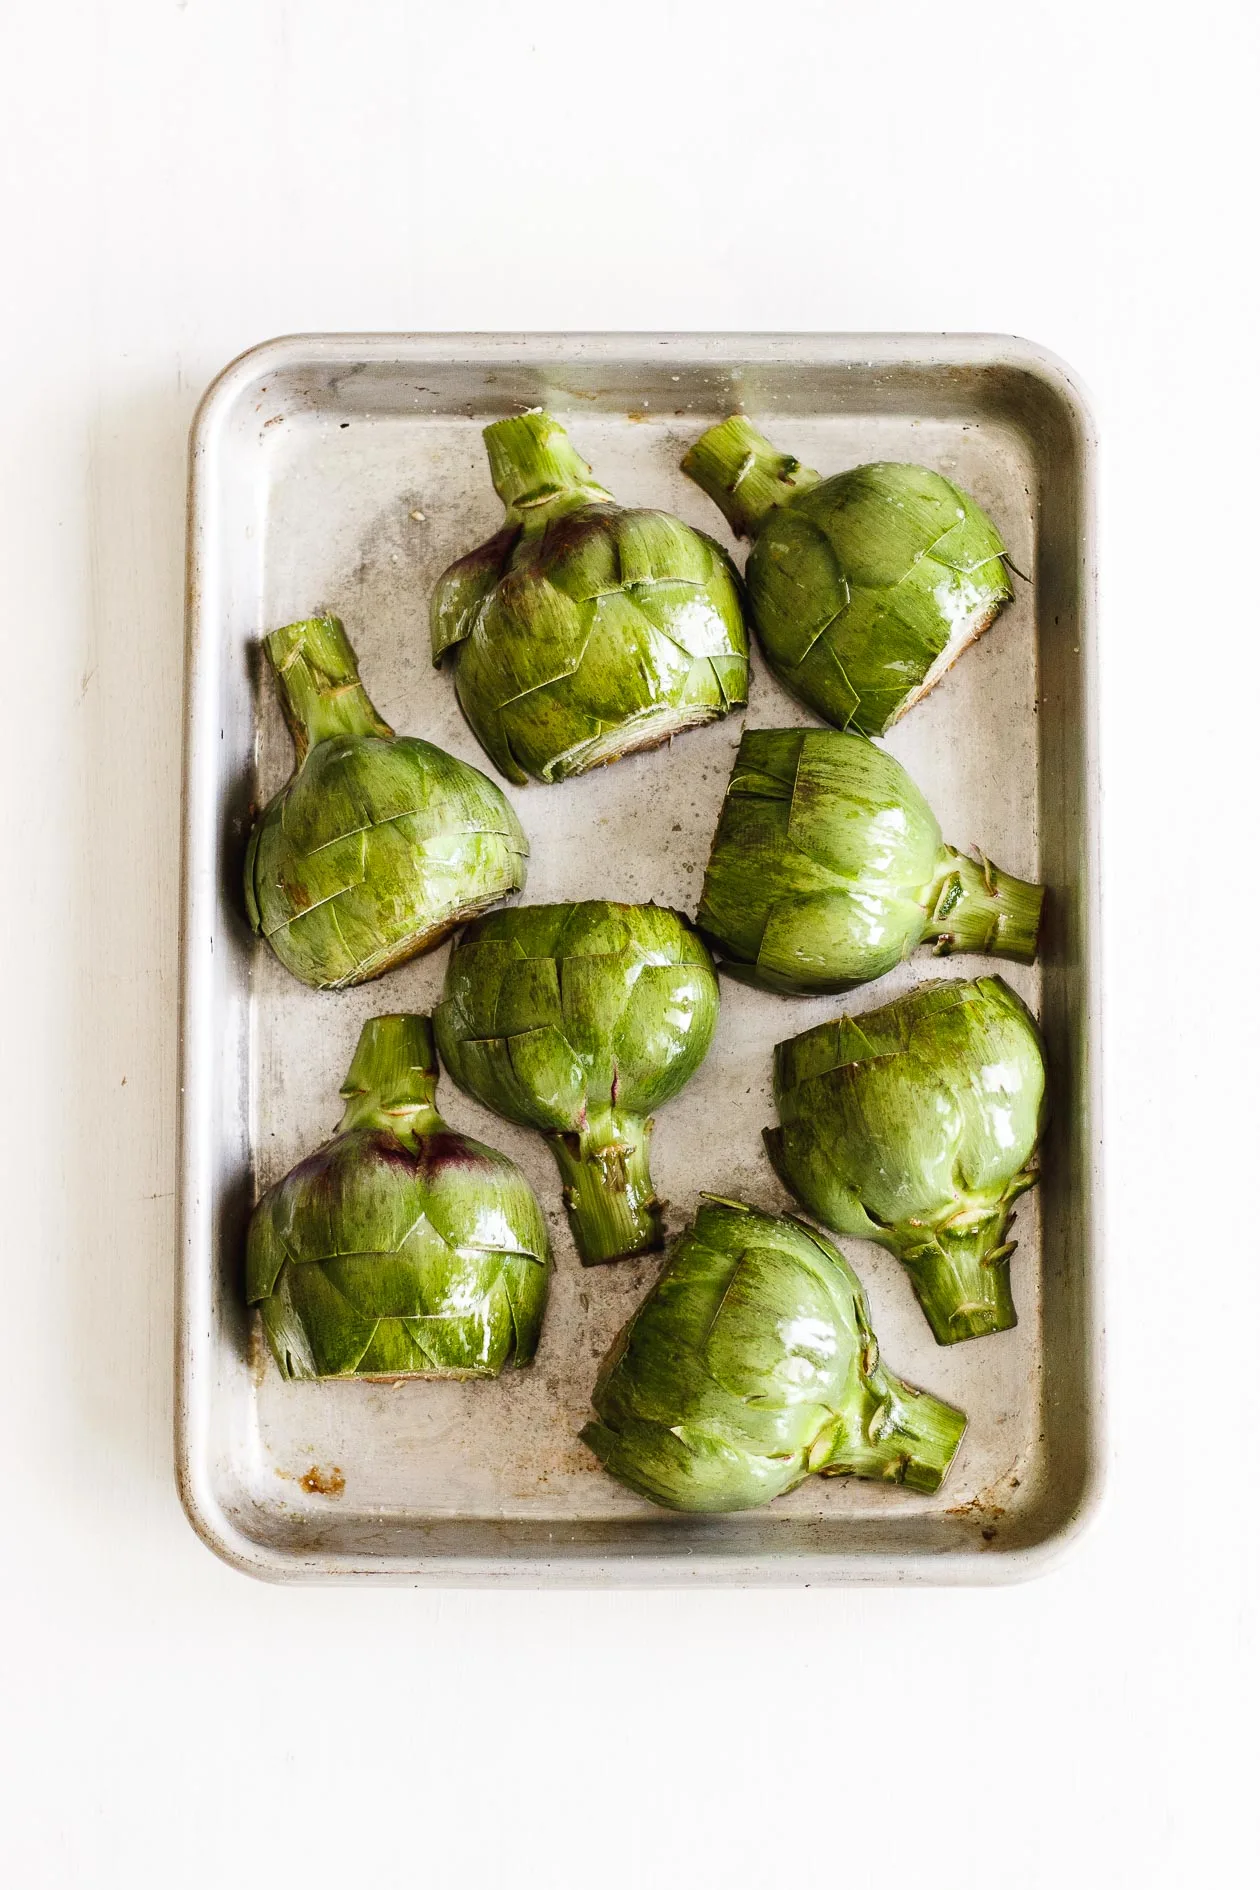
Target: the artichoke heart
pixel 828 868
pixel 579 1020
pixel 751 1364
pixel 400 1249
pixel 916 1125
pixel 379 844
pixel 583 631
pixel 863 588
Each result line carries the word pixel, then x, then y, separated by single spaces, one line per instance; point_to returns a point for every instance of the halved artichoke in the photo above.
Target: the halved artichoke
pixel 400 1249
pixel 379 844
pixel 582 631
pixel 916 1125
pixel 828 868
pixel 751 1364
pixel 863 588
pixel 579 1020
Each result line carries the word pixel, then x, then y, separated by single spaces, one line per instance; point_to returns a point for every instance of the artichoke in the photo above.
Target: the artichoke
pixel 863 588
pixel 752 1363
pixel 400 1249
pixel 578 1020
pixel 916 1126
pixel 379 844
pixel 828 868
pixel 583 632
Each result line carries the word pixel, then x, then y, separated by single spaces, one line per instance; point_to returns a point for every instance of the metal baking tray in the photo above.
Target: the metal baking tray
pixel 344 472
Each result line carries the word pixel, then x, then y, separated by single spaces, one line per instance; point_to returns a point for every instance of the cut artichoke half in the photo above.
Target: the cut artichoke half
pixel 379 845
pixel 580 1021
pixel 752 1364
pixel 400 1249
pixel 828 869
pixel 917 1126
pixel 584 631
pixel 864 588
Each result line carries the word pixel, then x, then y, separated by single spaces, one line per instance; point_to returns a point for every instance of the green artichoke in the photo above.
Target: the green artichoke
pixel 916 1126
pixel 578 1020
pixel 400 1249
pixel 828 868
pixel 379 844
pixel 863 588
pixel 752 1363
pixel 583 632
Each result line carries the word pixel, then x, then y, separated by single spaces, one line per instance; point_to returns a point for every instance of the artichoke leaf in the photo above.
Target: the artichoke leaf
pixel 544 734
pixel 773 1339
pixel 653 547
pixel 802 589
pixel 380 1285
pixel 528 997
pixel 578 554
pixel 804 937
pixel 528 634
pixel 551 1075
pixel 594 995
pixel 285 1334
pixel 394 1351
pixel 656 1045
pixel 338 1336
pixel 478 1201
pixel 628 666
pixel 463 588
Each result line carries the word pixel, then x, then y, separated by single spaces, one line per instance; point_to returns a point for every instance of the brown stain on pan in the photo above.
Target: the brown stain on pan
pixel 319 1482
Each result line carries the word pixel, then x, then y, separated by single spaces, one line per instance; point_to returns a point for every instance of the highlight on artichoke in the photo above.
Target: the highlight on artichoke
pixel 863 588
pixel 583 631
pixel 578 1021
pixel 828 868
pixel 916 1125
pixel 752 1364
pixel 400 1249
pixel 379 844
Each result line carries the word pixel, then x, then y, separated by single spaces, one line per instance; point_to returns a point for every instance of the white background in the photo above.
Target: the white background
pixel 185 177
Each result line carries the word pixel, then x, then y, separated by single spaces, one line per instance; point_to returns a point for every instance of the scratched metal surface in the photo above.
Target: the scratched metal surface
pixel 344 474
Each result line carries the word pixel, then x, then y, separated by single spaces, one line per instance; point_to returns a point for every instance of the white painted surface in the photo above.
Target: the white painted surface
pixel 184 179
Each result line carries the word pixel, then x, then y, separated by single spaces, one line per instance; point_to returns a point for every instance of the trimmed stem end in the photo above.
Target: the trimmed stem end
pixel 908 1437
pixel 392 1081
pixel 744 474
pixel 963 1282
pixel 977 907
pixel 536 470
pixel 612 1205
pixel 318 677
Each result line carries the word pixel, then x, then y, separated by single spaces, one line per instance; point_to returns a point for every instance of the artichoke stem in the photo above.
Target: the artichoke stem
pixel 963 1281
pixel 743 474
pixel 537 473
pixel 901 1435
pixel 320 691
pixel 612 1205
pixel 975 907
pixel 392 1082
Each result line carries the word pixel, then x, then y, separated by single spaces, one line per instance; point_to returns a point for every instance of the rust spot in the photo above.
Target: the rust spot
pixel 319 1482
pixel 979 1509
